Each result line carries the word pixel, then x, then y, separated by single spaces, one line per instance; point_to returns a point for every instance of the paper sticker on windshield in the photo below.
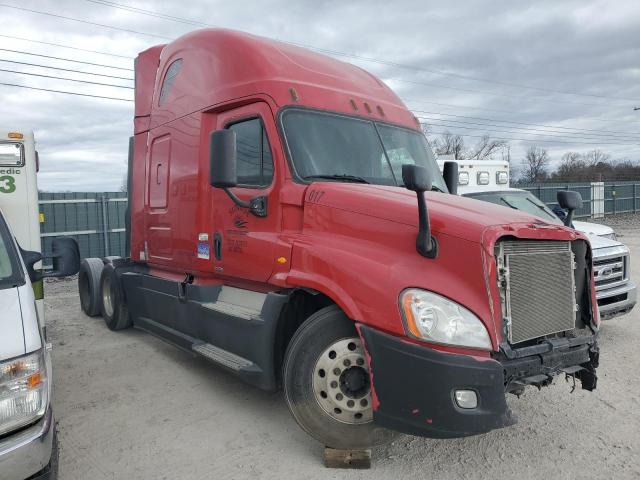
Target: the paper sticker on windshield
pixel 203 251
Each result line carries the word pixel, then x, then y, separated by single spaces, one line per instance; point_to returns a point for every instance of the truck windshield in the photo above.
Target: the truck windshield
pixel 10 272
pixel 519 200
pixel 341 148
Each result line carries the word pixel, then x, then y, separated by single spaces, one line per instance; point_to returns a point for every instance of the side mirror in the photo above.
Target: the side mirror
pixel 222 159
pixel 450 174
pixel 223 173
pixel 30 259
pixel 570 201
pixel 417 179
pixel 66 258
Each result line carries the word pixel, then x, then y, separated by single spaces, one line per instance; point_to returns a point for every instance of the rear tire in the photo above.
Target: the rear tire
pixel 326 383
pixel 89 285
pixel 114 309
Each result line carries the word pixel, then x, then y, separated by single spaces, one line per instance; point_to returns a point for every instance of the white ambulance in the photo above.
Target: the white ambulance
pixel 27 429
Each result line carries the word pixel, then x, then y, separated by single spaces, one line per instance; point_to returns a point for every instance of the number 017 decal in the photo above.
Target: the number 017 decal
pixel 7 184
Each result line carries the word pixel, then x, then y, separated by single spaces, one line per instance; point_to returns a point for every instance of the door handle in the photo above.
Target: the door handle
pixel 217 246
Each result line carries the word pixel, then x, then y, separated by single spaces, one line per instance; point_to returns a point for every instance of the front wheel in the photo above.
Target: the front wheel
pixel 327 385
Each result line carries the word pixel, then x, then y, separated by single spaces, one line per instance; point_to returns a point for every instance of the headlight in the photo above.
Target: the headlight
pixel 24 391
pixel 434 318
pixel 611 236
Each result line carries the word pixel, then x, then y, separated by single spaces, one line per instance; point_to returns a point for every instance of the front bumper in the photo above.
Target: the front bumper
pixel 27 454
pixel 616 301
pixel 414 385
pixel 415 389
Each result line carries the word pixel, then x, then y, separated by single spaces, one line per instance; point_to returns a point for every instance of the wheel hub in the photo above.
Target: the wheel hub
pixel 341 382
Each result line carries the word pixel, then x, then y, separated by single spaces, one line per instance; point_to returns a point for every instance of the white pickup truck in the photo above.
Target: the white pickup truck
pixel 488 180
pixel 27 428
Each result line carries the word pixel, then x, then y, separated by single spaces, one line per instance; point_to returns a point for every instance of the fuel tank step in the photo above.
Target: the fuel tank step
pixel 223 357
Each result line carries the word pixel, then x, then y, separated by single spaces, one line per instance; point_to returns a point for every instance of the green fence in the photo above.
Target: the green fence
pixel 95 220
pixel 600 198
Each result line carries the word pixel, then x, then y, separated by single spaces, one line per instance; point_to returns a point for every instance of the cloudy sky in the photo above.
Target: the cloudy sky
pixel 560 75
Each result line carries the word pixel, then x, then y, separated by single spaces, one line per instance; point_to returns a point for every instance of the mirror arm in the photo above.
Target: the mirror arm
pixel 426 245
pixel 568 221
pixel 257 205
pixel 236 200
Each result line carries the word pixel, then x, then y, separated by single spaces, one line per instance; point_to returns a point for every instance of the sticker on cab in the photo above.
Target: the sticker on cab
pixel 203 250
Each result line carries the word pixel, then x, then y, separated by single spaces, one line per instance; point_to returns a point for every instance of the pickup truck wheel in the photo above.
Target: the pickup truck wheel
pixel 114 310
pixel 327 386
pixel 89 285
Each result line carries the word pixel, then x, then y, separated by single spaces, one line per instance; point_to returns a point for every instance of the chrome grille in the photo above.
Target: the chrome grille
pixel 609 271
pixel 537 288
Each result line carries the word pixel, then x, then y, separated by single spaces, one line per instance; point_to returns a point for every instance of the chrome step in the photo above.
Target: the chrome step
pixel 223 357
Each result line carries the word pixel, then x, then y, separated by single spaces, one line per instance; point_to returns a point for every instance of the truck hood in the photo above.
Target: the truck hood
pixel 598 242
pixel 453 215
pixel 11 329
pixel 592 228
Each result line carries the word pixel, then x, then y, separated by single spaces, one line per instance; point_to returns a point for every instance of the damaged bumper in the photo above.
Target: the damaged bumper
pixel 416 386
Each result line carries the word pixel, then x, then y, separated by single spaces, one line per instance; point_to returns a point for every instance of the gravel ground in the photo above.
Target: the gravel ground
pixel 131 406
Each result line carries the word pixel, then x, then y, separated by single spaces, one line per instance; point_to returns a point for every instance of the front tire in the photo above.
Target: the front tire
pixel 326 383
pixel 114 309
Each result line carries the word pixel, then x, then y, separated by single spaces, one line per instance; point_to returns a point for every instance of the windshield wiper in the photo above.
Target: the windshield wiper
pixel 344 177
pixel 508 204
pixel 436 189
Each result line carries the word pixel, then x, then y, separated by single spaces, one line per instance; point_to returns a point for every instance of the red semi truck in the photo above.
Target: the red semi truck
pixel 288 221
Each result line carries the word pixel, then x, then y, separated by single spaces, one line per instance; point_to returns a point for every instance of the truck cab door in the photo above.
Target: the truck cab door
pixel 244 245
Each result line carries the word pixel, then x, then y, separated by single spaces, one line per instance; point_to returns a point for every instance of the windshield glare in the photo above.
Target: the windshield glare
pixel 324 144
pixel 525 201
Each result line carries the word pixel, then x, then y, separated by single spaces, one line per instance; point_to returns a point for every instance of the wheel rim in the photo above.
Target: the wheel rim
pixel 341 382
pixel 107 302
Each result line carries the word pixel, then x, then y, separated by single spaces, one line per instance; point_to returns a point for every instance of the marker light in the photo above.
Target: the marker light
pixel 463 178
pixel 483 178
pixel 16 135
pixel 434 318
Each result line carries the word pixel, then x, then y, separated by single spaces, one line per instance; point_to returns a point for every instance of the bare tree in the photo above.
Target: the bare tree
pixel 596 156
pixel 535 164
pixel 124 184
pixel 450 144
pixel 486 147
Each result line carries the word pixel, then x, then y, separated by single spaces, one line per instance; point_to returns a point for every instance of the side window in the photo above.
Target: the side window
pixel 254 160
pixel 169 78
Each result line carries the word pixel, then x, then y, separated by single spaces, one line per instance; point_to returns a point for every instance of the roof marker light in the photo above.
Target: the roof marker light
pixel 294 95
pixel 380 111
pixel 367 107
pixel 353 103
pixel 16 135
